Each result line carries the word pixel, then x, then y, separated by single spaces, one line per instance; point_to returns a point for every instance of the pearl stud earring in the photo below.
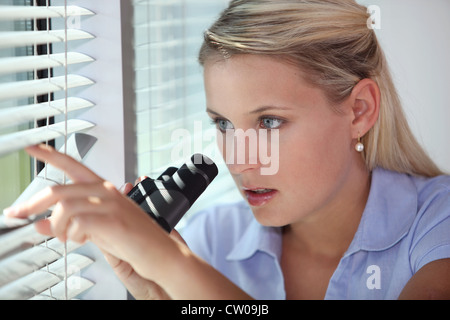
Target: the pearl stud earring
pixel 359 146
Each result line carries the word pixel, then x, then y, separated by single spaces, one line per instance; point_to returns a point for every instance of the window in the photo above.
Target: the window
pixel 132 81
pixel 15 170
pixel 33 95
pixel 171 122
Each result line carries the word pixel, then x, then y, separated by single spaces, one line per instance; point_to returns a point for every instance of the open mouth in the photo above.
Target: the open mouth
pixel 261 191
pixel 259 196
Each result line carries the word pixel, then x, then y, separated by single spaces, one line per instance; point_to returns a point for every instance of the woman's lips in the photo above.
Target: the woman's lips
pixel 259 197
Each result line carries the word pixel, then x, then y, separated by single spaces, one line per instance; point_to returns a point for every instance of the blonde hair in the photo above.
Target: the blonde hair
pixel 332 42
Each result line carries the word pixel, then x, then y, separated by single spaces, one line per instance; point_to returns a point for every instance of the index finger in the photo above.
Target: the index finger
pixel 74 169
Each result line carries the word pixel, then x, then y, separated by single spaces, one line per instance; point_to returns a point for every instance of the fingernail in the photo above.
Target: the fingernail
pixel 10 212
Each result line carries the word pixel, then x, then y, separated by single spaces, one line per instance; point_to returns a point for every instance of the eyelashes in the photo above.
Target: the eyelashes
pixel 264 122
pixel 271 123
pixel 222 124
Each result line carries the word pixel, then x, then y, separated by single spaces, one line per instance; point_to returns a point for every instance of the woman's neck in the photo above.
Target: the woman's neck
pixel 330 230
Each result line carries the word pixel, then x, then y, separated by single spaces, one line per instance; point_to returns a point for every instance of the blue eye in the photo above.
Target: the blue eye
pixel 223 125
pixel 271 123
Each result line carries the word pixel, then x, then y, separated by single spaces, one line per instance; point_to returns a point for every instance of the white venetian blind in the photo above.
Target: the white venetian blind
pixel 33 266
pixel 170 100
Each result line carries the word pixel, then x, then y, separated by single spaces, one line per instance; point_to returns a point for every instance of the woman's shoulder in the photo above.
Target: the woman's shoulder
pixel 433 198
pixel 425 191
pixel 429 188
pixel 430 230
pixel 401 204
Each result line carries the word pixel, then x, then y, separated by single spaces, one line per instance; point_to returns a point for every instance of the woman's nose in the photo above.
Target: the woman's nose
pixel 240 150
pixel 239 167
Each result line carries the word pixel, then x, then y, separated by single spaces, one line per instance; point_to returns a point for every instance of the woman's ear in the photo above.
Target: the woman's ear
pixel 365 101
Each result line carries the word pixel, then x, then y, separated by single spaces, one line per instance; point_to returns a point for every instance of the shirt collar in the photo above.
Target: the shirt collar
pixel 257 238
pixel 389 212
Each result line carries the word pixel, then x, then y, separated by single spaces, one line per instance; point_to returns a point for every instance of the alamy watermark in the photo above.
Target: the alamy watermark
pixel 238 147
pixel 374 280
pixel 73 19
pixel 374 21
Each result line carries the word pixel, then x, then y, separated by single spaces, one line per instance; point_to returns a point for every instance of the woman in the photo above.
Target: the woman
pixel 356 209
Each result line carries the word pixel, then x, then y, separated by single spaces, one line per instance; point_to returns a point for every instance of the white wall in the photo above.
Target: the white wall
pixel 415 37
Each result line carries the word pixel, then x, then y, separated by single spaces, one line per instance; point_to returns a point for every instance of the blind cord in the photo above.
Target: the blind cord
pixel 65 130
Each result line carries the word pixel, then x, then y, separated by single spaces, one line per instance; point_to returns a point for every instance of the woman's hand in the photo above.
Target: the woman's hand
pixel 140 288
pixel 92 209
pixel 141 252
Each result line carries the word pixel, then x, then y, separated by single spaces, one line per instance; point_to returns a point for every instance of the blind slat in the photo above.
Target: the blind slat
pixel 36 282
pixel 33 259
pixel 27 12
pixel 175 23
pixel 168 3
pixel 19 140
pixel 23 114
pixel 24 251
pixel 29 38
pixel 30 63
pixel 167 44
pixel 18 240
pixel 33 266
pixel 31 88
pixel 76 286
pixel 78 145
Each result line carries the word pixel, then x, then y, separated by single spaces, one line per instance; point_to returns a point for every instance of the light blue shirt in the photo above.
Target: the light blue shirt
pixel 405 225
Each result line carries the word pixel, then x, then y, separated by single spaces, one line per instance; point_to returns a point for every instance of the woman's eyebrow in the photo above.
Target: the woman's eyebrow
pixel 256 111
pixel 212 112
pixel 268 108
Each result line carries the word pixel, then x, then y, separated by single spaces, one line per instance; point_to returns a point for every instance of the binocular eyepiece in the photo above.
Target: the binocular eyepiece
pixel 170 196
